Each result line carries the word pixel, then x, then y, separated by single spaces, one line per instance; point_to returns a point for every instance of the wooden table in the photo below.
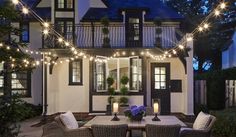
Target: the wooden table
pixel 106 120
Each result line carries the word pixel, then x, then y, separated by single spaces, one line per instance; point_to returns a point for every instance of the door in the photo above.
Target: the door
pixel 160 81
pixel 133 28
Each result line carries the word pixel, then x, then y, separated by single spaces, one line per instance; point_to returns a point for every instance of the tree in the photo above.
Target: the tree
pixel 207 45
pixel 13 58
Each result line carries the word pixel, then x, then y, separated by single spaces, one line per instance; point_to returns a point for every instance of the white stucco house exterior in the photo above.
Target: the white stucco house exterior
pixel 229 53
pixel 80 84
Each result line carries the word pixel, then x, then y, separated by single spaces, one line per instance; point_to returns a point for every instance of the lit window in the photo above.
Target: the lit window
pixel 65 4
pixel 75 72
pixel 1 79
pixel 117 68
pixel 20 83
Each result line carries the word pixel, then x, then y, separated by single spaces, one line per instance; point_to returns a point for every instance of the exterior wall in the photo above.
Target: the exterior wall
pixel 97 4
pixel 44 3
pixel 36 77
pixel 177 71
pixel 61 96
pixel 229 55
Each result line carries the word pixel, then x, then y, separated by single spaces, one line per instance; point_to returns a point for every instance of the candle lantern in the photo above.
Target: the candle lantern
pixel 115 111
pixel 156 111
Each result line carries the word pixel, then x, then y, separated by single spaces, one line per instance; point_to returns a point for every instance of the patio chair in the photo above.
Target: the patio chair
pixel 110 130
pixel 80 132
pixel 162 130
pixel 52 130
pixel 190 132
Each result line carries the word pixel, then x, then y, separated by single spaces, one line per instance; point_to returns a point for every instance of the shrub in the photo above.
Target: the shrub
pixel 123 100
pixel 124 80
pixel 225 125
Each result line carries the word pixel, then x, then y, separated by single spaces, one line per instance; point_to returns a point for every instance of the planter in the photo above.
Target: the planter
pixel 136 118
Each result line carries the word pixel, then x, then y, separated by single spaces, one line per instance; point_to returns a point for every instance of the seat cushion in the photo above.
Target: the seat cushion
pixel 202 121
pixel 69 120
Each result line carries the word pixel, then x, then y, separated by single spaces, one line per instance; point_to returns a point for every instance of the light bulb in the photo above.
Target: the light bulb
pixel 67 43
pixel 15 2
pixel 217 12
pixel 1 44
pixel 181 46
pixel 45 31
pixel 60 40
pixel 222 5
pixel 25 10
pixel 206 26
pixel 189 38
pixel 200 29
pixel 46 25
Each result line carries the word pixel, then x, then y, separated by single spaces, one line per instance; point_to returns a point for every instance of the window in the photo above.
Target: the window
pixel 65 4
pixel 25 32
pixel 75 72
pixel 20 83
pixel 1 79
pixel 66 29
pixel 117 68
pixel 134 29
pixel 160 78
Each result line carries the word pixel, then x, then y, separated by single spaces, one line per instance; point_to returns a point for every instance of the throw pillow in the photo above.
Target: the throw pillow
pixel 69 120
pixel 201 121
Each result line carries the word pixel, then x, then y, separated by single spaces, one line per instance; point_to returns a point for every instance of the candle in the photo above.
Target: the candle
pixel 156 107
pixel 115 107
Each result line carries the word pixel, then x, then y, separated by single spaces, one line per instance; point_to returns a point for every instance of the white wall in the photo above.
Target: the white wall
pixel 44 3
pixel 177 71
pixel 61 96
pixel 229 55
pixel 97 4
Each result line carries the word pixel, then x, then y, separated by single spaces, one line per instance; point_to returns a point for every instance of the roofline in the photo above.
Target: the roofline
pixel 36 3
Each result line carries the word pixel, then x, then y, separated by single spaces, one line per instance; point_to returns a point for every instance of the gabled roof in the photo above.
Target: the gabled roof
pixel 153 8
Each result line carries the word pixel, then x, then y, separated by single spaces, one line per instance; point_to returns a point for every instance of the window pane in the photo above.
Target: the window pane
pixel 19 83
pixel 136 72
pixel 100 76
pixel 163 77
pixel 61 4
pixel 25 33
pixel 157 85
pixel 157 70
pixel 163 70
pixel 1 79
pixel 163 85
pixel 124 68
pixel 157 77
pixel 112 70
pixel 76 71
pixel 69 4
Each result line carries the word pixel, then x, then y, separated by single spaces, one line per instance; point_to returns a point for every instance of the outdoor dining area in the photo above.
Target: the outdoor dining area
pixel 124 121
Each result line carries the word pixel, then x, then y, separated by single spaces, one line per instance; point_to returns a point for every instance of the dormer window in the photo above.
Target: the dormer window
pixel 64 4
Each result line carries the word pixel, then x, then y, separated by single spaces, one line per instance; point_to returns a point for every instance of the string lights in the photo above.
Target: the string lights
pixel 76 52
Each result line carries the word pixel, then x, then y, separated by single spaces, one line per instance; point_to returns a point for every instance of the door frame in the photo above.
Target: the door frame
pixel 163 95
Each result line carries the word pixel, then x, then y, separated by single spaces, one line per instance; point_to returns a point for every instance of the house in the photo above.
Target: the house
pixel 79 84
pixel 229 53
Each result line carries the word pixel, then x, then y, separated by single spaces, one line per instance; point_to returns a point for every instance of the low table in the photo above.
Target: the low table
pixel 135 125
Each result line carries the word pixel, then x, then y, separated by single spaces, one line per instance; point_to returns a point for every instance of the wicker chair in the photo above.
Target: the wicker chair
pixel 52 130
pixel 80 132
pixel 198 133
pixel 162 130
pixel 110 130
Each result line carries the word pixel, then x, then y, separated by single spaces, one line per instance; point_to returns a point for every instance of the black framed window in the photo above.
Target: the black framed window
pixel 64 4
pixel 160 78
pixel 21 83
pixel 66 28
pixel 75 72
pixel 24 37
pixel 117 68
pixel 134 27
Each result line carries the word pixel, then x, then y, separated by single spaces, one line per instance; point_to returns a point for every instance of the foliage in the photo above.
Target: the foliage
pixel 216 86
pixel 111 90
pixel 225 125
pixel 207 45
pixel 124 80
pixel 135 112
pixel 124 90
pixel 200 107
pixel 105 22
pixel 13 111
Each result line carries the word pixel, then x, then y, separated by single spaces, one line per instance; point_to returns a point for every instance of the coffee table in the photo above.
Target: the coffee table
pixel 135 125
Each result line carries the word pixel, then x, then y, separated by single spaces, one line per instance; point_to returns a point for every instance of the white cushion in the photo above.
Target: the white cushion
pixel 201 121
pixel 69 120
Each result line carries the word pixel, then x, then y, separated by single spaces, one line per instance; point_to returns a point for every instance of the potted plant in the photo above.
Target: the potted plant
pixel 135 113
pixel 111 91
pixel 124 91
pixel 158 30
pixel 105 31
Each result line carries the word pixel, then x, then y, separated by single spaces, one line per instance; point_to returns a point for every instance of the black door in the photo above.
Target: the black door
pixel 133 28
pixel 160 80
